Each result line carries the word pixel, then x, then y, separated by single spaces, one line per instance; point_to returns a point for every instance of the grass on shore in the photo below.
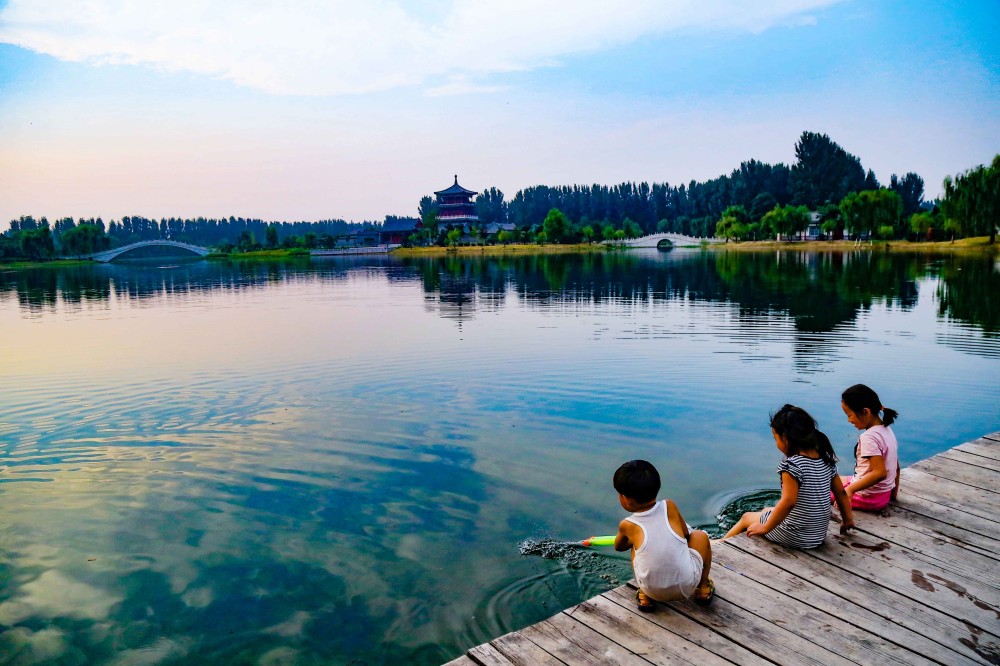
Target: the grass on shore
pixel 977 245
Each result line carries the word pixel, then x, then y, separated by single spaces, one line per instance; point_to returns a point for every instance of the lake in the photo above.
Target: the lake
pixel 336 460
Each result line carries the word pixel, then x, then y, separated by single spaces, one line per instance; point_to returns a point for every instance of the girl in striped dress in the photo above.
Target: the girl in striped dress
pixel 808 476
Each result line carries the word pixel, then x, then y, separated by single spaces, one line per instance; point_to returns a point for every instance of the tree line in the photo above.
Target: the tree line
pixel 756 200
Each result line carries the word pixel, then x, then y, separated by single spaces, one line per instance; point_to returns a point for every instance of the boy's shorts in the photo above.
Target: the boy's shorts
pixel 686 587
pixel 867 502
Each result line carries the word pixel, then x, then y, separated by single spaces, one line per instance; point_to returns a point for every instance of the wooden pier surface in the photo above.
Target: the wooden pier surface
pixel 917 584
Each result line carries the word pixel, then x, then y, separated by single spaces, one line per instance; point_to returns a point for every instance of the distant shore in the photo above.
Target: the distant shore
pixel 492 250
pixel 978 245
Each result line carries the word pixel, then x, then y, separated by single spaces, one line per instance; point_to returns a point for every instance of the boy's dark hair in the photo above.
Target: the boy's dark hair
pixel 799 429
pixel 638 480
pixel 859 397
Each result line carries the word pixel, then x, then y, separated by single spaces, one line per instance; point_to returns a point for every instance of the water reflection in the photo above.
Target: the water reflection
pixel 819 291
pixel 320 462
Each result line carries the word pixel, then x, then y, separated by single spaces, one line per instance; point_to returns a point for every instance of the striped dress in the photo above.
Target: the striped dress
pixel 806 524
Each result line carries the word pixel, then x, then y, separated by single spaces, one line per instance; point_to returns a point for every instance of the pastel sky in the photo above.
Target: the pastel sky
pixel 315 110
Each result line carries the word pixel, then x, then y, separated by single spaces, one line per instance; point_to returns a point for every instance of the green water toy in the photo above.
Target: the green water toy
pixel 599 541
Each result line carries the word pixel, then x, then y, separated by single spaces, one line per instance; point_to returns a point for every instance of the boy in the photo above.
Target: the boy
pixel 670 561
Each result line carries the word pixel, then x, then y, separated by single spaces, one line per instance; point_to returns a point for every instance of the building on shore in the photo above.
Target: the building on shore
pixel 455 207
pixel 395 230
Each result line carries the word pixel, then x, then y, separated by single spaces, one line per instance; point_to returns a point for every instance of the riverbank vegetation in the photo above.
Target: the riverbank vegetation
pixel 825 194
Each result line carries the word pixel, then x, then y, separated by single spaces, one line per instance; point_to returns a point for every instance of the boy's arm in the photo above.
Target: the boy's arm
pixel 843 504
pixel 622 541
pixel 789 493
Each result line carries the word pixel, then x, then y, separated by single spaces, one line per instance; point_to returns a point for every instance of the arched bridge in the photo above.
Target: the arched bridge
pixel 111 255
pixel 653 240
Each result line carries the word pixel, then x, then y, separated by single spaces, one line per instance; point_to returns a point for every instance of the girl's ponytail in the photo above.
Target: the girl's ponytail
pixel 859 398
pixel 888 415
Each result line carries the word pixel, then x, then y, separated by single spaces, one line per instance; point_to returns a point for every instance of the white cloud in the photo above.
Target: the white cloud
pixel 337 47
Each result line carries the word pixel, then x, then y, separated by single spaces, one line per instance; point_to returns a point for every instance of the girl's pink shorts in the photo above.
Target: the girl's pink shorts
pixel 867 502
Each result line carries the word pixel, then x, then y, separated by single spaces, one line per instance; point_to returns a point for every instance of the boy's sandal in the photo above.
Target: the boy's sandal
pixel 648 606
pixel 704 601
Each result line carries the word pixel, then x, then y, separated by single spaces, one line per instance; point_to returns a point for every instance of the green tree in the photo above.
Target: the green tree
pixel 910 189
pixel 588 234
pixel 824 172
pixel 761 205
pixel 556 226
pixel 869 210
pixel 271 236
pixel 36 244
pixel 972 200
pixel 84 239
pixel 787 220
pixel 453 237
pixel 734 223
pixel 631 229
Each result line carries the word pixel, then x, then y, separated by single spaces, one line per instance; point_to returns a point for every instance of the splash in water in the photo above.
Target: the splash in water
pixel 731 512
pixel 576 556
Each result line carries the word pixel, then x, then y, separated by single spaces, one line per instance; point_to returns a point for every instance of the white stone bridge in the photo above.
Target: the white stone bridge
pixel 111 255
pixel 654 240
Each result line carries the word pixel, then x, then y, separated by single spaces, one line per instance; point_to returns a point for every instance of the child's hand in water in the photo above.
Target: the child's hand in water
pixel 846 525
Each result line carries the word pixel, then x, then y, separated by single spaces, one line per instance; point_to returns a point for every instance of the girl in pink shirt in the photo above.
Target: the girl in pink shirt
pixel 876 472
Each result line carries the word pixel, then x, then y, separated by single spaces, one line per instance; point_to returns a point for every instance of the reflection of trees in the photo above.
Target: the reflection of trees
pixel 819 291
pixel 969 291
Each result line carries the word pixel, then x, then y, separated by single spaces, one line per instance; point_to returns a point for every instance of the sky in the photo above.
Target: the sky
pixel 311 110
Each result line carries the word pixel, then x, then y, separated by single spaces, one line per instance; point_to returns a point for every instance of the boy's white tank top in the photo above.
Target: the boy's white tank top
pixel 663 562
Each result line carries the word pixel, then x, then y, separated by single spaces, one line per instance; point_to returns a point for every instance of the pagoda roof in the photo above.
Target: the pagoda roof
pixel 456 189
pixel 402 224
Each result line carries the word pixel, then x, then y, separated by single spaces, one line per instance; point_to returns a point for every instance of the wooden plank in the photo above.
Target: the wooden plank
pixel 512 648
pixel 984 545
pixel 898 619
pixel 766 639
pixel 895 568
pixel 637 634
pixel 937 549
pixel 985 447
pixel 812 624
pixel 970 475
pixel 945 514
pixel 576 643
pixel 950 493
pixel 462 661
pixel 687 629
pixel 972 459
pixel 995 436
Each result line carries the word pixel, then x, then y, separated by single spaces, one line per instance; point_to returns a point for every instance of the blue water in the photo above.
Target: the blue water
pixel 335 461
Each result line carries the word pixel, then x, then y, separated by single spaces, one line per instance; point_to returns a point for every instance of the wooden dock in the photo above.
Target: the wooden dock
pixel 918 584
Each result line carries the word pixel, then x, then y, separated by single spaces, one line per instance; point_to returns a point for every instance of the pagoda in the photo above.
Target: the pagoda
pixel 455 206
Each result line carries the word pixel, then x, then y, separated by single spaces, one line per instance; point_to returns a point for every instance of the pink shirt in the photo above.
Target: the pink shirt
pixel 877 441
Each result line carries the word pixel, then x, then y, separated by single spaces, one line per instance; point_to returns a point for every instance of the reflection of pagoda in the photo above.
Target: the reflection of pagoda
pixel 455 206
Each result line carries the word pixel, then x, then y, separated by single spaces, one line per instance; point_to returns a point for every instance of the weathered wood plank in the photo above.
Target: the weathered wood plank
pixel 984 545
pixel 995 436
pixel 812 624
pixel 512 648
pixel 894 567
pixel 955 517
pixel 950 493
pixel 851 598
pixel 634 632
pixel 687 629
pixel 970 475
pixel 576 643
pixel 462 661
pixel 766 639
pixel 972 459
pixel 986 447
pixel 935 548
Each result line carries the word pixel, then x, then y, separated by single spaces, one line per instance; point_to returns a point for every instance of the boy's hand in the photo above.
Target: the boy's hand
pixel 846 525
pixel 757 529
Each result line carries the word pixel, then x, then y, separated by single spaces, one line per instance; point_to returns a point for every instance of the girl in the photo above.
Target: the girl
pixel 876 472
pixel 808 476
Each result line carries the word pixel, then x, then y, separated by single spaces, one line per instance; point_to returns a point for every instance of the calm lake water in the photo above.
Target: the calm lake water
pixel 335 461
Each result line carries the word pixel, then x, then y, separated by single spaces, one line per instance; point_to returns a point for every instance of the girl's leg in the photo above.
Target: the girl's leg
pixel 748 519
